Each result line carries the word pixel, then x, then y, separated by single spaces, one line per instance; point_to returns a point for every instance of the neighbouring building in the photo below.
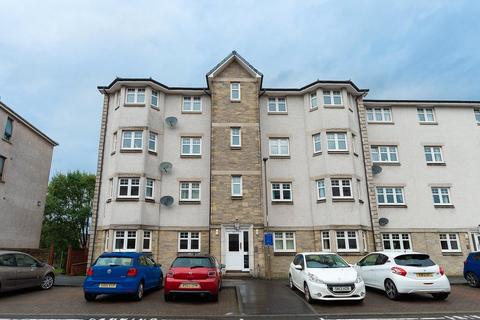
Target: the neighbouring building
pixel 25 160
pixel 320 167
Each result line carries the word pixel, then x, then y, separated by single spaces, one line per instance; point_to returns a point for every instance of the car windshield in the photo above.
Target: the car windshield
pixel 325 261
pixel 193 262
pixel 114 261
pixel 414 260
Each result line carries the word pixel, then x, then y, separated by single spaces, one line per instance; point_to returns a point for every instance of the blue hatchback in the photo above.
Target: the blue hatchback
pixel 122 273
pixel 471 269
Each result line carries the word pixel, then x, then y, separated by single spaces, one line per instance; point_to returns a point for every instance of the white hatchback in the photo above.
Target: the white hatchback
pixel 399 273
pixel 325 276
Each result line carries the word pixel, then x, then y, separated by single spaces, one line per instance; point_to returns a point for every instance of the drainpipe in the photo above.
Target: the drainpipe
pixel 268 255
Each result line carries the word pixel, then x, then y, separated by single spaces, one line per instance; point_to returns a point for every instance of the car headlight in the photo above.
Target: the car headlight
pixel 359 279
pixel 315 279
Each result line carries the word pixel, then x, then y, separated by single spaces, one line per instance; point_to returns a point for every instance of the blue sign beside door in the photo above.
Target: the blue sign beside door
pixel 268 239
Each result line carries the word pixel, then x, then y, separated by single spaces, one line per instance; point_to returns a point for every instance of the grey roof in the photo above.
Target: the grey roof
pixel 238 56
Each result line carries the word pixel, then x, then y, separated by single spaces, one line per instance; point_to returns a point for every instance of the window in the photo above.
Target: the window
pixel 396 241
pixel 433 154
pixel 191 146
pixel 317 143
pixel 189 191
pixel 477 115
pixel 337 141
pixel 390 195
pixel 114 142
pixel 125 241
pixel 341 188
pixel 149 188
pixel 192 104
pixel 320 189
pixel 235 91
pixel 154 99
pixel 107 240
pixel 379 115
pixel 449 242
pixel 2 166
pixel 277 104
pixel 128 187
pixel 7 134
pixel 426 115
pixel 332 97
pixel 284 241
pixel 326 241
pixel 441 196
pixel 279 146
pixel 147 241
pixel 189 242
pixel 384 153
pixel 237 188
pixel 132 140
pixel 110 188
pixel 135 96
pixel 347 241
pixel 152 142
pixel 235 137
pixel 281 191
pixel 313 100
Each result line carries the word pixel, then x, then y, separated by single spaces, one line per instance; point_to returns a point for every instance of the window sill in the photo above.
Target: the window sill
pixel 153 153
pixel 113 152
pixel 338 152
pixel 189 251
pixel 384 163
pixel 343 200
pixel 313 109
pixel 191 156
pixel 456 253
pixel 272 113
pixel 237 197
pixel 285 254
pixel 351 253
pixel 7 140
pixel 279 157
pixel 2 181
pixel 334 106
pixel 436 164
pixel 316 154
pixel 282 202
pixel 131 150
pixel 350 109
pixel 434 123
pixel 235 147
pixel 235 101
pixel 392 206
pixel 440 206
pixel 155 108
pixel 189 202
pixel 116 108
pixel 150 200
pixel 109 200
pixel 127 199
pixel 321 200
pixel 380 122
pixel 191 112
pixel 142 105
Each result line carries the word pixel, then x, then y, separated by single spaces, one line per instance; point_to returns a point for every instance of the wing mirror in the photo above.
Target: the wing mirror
pixel 222 266
pixel 298 267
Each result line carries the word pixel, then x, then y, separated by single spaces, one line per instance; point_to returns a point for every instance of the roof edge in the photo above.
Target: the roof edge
pixel 421 101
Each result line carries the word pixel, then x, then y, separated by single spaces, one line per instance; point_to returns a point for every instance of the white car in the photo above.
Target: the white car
pixel 399 273
pixel 325 276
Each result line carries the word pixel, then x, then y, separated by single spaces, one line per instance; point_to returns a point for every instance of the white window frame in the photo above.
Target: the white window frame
pixel 110 188
pixel 136 93
pixel 190 190
pixel 317 138
pixel 154 140
pixel 149 238
pixel 147 187
pixel 440 192
pixel 277 142
pixel 449 238
pixel 320 185
pixel 189 239
pixel 325 237
pixel 154 96
pixel 347 236
pixel 476 112
pixel 332 94
pixel 335 137
pixel 432 151
pixel 384 115
pixel 232 89
pixel 239 183
pixel 107 240
pixel 381 190
pixel 313 100
pixel 233 135
pixel 114 142
pixel 401 238
pixel 281 189
pixel 126 236
pixel 275 101
pixel 132 140
pixel 284 239
pixel 190 102
pixel 424 112
pixel 190 144
pixel 342 183
pixel 388 150
pixel 129 185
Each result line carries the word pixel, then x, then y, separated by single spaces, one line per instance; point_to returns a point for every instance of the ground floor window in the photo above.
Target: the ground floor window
pixel 326 241
pixel 396 241
pixel 284 241
pixel 125 240
pixel 189 242
pixel 147 241
pixel 347 241
pixel 449 242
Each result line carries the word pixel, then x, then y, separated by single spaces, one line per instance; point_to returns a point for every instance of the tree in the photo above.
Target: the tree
pixel 68 210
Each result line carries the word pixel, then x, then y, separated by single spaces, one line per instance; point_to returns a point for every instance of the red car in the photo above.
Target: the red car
pixel 194 274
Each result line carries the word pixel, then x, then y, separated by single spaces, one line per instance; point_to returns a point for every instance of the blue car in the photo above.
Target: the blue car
pixel 122 273
pixel 471 269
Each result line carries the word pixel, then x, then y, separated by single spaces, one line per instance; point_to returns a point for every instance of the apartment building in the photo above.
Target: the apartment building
pixel 213 169
pixel 25 159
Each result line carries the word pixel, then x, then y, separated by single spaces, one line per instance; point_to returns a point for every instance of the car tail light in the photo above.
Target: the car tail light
pixel 212 274
pixel 90 272
pixel 465 262
pixel 170 274
pixel 399 271
pixel 441 270
pixel 132 272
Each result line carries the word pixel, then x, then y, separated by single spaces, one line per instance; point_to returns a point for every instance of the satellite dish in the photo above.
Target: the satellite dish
pixel 383 221
pixel 376 169
pixel 165 167
pixel 171 121
pixel 166 200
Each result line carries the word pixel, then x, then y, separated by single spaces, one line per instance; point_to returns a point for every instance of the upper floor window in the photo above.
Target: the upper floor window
pixel 396 241
pixel 235 91
pixel 433 154
pixel 2 166
pixel 317 143
pixel 379 115
pixel 114 142
pixel 235 137
pixel 135 95
pixel 129 187
pixel 341 188
pixel 426 115
pixel 449 242
pixel 277 104
pixel 132 139
pixel 347 241
pixel 332 97
pixel 125 240
pixel 191 146
pixel 321 194
pixel 189 242
pixel 337 141
pixel 284 241
pixel 147 241
pixel 279 146
pixel 189 191
pixel 7 134
pixel 192 104
pixel 152 141
pixel 384 153
pixel 237 188
pixel 477 115
pixel 154 99
pixel 313 100
pixel 281 191
pixel 441 195
pixel 149 188
pixel 390 195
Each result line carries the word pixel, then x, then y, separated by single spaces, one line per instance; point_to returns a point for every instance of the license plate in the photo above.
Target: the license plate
pixel 189 286
pixel 424 275
pixel 107 285
pixel 341 289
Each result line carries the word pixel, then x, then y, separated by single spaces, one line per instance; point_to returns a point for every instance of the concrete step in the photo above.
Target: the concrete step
pixel 237 275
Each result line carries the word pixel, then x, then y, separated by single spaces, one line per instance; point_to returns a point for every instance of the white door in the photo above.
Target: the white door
pixel 234 251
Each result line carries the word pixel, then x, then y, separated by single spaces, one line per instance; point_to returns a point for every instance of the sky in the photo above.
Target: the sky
pixel 54 54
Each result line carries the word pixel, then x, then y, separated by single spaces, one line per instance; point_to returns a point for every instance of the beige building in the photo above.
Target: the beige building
pixel 213 169
pixel 25 159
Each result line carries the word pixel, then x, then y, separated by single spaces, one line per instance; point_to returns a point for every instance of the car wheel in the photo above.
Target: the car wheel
pixel 48 281
pixel 306 292
pixel 391 290
pixel 90 296
pixel 168 297
pixel 290 282
pixel 440 296
pixel 140 291
pixel 472 280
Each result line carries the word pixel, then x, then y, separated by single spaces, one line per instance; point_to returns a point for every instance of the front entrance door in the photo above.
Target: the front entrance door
pixel 236 250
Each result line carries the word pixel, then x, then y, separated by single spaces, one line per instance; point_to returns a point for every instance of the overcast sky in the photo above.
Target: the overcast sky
pixel 53 54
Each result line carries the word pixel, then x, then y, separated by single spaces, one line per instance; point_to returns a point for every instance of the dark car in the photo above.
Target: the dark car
pixel 471 269
pixel 122 273
pixel 19 270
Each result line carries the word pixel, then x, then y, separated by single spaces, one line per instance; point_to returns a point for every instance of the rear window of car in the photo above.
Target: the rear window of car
pixel 114 261
pixel 414 260
pixel 189 262
pixel 325 261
